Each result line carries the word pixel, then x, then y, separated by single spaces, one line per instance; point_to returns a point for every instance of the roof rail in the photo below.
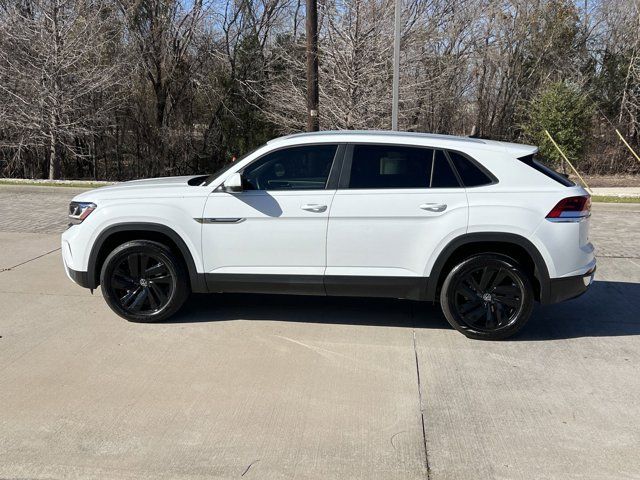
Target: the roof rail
pixel 386 133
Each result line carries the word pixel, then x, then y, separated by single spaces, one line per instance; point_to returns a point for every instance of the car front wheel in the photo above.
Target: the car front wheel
pixel 487 296
pixel 144 281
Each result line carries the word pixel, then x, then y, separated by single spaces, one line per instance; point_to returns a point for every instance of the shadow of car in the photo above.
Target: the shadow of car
pixel 607 309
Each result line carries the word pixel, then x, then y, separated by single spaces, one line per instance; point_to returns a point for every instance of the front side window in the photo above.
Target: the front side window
pixel 389 166
pixel 295 168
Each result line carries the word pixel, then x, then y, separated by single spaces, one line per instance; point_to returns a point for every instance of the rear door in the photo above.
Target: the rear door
pixel 394 206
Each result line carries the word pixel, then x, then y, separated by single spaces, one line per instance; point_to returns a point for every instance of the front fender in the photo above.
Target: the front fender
pixel 173 219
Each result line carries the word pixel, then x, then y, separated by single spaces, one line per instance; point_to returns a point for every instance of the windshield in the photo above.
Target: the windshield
pixel 225 167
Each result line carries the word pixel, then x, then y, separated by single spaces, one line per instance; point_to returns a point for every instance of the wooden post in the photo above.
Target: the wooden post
pixel 396 67
pixel 313 120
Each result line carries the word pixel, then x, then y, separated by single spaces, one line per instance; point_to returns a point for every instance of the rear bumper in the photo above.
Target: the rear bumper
pixel 566 288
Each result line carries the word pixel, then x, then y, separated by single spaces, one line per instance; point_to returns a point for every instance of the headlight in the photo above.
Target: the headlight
pixel 78 211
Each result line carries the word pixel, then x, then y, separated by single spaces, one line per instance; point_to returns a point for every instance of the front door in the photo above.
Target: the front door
pixel 394 206
pixel 271 236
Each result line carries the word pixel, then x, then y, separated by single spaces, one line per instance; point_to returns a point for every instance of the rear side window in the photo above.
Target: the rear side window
pixel 390 166
pixel 536 164
pixel 470 174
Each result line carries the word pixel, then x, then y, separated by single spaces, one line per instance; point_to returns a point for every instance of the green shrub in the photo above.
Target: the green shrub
pixel 563 110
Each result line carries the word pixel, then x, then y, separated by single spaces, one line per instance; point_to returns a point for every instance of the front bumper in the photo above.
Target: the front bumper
pixel 79 277
pixel 566 288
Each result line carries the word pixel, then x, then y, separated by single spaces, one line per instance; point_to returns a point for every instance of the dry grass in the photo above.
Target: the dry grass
pixel 596 181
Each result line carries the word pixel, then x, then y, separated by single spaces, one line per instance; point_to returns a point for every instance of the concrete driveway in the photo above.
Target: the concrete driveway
pixel 309 388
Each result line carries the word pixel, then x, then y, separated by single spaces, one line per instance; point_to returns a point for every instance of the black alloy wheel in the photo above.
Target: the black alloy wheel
pixel 143 281
pixel 488 296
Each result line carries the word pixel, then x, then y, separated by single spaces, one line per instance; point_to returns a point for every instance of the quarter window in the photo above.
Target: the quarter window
pixel 296 168
pixel 389 166
pixel 469 173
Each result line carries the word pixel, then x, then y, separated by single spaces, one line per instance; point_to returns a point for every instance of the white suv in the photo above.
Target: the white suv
pixel 480 226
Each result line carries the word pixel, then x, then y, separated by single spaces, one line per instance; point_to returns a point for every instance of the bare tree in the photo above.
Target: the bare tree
pixel 125 88
pixel 630 101
pixel 53 63
pixel 355 69
pixel 163 34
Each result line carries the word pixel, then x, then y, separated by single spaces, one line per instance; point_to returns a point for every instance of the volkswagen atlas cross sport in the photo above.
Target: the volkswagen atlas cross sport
pixel 480 226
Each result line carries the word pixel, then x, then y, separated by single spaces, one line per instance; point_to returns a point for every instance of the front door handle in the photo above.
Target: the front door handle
pixel 314 207
pixel 434 207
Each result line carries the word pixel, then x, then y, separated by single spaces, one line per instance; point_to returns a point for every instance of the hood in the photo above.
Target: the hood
pixel 153 182
pixel 146 188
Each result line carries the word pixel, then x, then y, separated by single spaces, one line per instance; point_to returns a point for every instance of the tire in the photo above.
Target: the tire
pixel 144 281
pixel 487 297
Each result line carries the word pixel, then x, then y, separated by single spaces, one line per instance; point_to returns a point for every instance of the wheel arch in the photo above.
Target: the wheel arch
pixel 509 244
pixel 115 235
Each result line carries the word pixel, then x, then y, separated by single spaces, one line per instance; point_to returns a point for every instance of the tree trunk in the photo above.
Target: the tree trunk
pixel 161 130
pixel 54 156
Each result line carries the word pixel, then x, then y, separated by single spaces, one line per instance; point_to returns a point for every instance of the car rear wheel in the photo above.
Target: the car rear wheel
pixel 487 296
pixel 144 281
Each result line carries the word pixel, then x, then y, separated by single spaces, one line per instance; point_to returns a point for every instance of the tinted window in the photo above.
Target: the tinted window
pixel 533 162
pixel 470 174
pixel 296 168
pixel 441 175
pixel 388 166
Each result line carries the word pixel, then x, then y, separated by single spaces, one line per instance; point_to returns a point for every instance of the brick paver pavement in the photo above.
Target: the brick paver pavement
pixel 615 230
pixel 35 209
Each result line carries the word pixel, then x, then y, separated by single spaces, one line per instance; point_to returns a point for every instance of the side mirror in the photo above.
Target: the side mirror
pixel 233 183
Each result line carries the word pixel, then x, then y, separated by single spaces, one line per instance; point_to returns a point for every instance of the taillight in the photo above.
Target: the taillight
pixel 571 209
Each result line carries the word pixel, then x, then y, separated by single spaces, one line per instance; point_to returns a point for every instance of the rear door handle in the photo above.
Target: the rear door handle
pixel 434 207
pixel 314 207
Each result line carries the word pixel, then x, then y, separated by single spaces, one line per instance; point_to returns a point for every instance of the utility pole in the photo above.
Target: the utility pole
pixel 396 66
pixel 313 121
